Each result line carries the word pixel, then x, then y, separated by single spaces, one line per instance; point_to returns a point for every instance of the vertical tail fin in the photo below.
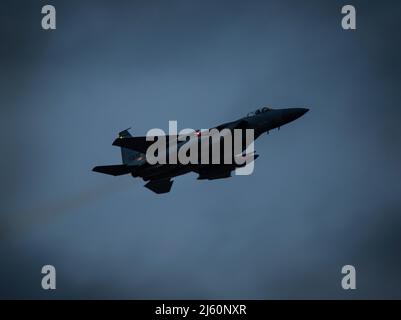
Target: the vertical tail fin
pixel 130 157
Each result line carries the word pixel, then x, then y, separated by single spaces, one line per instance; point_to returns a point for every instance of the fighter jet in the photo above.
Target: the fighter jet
pixel 159 176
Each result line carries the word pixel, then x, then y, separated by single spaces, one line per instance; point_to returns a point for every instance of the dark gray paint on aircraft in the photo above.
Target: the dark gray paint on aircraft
pixel 133 151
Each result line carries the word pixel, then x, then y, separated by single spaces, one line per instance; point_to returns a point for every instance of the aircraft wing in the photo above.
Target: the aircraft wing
pixel 239 124
pixel 139 144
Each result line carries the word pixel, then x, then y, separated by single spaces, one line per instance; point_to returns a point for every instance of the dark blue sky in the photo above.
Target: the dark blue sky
pixel 325 191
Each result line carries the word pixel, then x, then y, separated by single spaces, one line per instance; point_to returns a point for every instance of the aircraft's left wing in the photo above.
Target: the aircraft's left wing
pixel 239 124
pixel 139 144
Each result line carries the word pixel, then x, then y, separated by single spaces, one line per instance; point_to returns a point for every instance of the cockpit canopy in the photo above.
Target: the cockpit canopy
pixel 259 111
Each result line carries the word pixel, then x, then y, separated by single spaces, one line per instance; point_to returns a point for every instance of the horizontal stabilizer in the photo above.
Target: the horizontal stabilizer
pixel 160 186
pixel 115 170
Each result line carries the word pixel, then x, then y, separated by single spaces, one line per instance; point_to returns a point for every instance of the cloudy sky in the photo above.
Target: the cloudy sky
pixel 325 191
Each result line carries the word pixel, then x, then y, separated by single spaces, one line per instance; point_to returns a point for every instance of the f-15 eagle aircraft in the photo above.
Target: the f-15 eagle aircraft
pixel 158 176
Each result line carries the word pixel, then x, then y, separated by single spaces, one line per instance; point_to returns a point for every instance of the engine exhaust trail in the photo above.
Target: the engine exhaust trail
pixel 17 222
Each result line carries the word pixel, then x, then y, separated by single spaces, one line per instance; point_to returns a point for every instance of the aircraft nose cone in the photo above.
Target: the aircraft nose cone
pixel 299 112
pixel 294 113
pixel 304 110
